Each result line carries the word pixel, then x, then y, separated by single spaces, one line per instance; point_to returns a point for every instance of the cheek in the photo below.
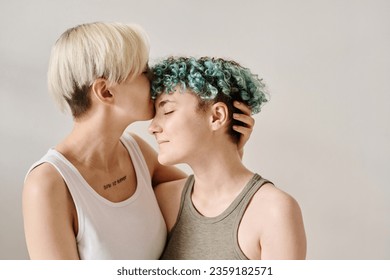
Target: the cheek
pixel 146 86
pixel 143 100
pixel 194 132
pixel 143 89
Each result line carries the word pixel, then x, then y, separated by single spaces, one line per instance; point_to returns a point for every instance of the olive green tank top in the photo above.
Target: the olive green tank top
pixel 195 237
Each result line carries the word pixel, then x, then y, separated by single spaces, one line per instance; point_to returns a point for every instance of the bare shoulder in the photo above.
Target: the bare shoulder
pixel 168 196
pixel 274 201
pixel 141 142
pixel 49 215
pixel 170 189
pixel 148 152
pixel 146 149
pixel 279 223
pixel 45 193
pixel 277 208
pixel 43 181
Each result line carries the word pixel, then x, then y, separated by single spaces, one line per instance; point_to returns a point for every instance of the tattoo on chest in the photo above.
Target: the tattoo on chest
pixel 114 183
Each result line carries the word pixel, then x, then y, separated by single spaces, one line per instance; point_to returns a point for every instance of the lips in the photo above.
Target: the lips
pixel 162 141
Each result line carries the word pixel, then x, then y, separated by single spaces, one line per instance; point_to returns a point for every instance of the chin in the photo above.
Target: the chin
pixel 164 160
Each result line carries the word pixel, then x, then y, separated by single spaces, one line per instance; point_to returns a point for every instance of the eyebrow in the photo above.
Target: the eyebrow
pixel 162 103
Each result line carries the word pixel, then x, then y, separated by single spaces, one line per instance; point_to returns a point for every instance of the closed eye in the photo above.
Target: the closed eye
pixel 167 113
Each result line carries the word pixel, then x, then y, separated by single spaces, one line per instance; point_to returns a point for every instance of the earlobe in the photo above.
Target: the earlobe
pixel 100 90
pixel 220 115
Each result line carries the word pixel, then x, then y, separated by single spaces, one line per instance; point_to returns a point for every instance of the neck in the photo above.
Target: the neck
pixel 219 179
pixel 220 170
pixel 93 143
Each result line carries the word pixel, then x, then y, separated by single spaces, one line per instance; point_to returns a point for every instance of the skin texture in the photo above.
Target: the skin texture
pixel 272 226
pixel 50 217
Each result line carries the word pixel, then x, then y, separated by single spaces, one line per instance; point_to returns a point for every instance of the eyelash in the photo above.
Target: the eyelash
pixel 167 113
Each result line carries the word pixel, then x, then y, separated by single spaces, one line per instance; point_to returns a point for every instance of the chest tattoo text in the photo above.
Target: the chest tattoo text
pixel 114 183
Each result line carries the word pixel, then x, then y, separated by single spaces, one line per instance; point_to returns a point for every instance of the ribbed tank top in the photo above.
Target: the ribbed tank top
pixel 195 237
pixel 130 229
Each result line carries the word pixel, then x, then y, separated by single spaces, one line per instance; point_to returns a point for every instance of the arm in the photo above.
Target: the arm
pixel 168 196
pixel 48 213
pixel 283 235
pixel 247 127
pixel 159 173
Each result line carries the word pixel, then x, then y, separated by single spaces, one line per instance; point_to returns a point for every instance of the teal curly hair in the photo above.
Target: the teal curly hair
pixel 211 79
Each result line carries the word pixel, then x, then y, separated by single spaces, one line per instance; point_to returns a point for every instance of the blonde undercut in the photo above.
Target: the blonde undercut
pixel 90 51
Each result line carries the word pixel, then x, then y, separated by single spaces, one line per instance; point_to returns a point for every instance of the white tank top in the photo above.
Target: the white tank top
pixel 130 229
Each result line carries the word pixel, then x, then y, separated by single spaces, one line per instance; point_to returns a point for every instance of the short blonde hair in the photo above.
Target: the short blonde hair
pixel 94 50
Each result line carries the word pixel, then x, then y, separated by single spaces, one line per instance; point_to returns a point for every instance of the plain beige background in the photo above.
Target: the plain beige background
pixel 324 136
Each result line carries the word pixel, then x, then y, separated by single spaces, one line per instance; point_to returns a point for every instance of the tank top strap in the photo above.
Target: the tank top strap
pixel 237 206
pixel 251 188
pixel 185 195
pixel 246 195
pixel 242 204
pixel 136 155
pixel 195 236
pixel 241 201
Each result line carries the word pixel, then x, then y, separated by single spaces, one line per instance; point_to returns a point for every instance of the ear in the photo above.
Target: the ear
pixel 101 91
pixel 219 115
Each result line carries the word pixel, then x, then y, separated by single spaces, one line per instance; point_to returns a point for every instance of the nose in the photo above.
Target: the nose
pixel 154 126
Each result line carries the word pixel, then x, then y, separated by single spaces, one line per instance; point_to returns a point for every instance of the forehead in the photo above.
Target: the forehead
pixel 179 97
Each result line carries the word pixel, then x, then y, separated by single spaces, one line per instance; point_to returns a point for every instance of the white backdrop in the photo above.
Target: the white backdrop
pixel 324 136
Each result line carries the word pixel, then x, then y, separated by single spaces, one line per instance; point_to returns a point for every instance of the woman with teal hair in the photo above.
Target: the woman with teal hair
pixel 224 210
